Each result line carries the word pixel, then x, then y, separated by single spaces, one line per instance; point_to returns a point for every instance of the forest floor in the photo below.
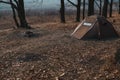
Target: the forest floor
pixel 53 54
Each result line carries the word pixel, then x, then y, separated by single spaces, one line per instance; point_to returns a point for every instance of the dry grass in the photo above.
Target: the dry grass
pixel 54 54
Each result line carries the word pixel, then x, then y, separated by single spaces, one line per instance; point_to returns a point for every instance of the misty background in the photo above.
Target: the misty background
pixel 46 7
pixel 36 4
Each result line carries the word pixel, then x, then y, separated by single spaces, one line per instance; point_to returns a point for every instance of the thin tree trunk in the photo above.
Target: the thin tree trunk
pixel 21 14
pixel 14 15
pixel 90 7
pixel 111 7
pixel 83 9
pixel 100 11
pixel 105 8
pixel 62 12
pixel 78 6
pixel 18 7
pixel 78 10
pixel 119 6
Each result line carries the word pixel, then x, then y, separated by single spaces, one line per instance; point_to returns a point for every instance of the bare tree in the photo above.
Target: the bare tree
pixel 99 5
pixel 62 11
pixel 119 6
pixel 111 7
pixel 100 10
pixel 105 8
pixel 84 9
pixel 14 14
pixel 78 6
pixel 90 7
pixel 18 8
pixel 78 10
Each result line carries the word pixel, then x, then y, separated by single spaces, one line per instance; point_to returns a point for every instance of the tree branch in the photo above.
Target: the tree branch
pixel 97 4
pixel 9 4
pixel 16 2
pixel 72 3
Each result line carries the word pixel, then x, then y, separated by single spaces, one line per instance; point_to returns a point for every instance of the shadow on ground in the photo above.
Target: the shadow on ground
pixel 27 57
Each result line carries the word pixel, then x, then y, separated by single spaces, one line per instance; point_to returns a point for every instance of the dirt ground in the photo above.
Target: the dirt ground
pixel 53 54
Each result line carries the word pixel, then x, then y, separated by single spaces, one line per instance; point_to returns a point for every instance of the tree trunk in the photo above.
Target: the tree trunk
pixel 111 7
pixel 105 8
pixel 62 12
pixel 78 6
pixel 21 14
pixel 90 7
pixel 100 11
pixel 78 10
pixel 18 7
pixel 83 9
pixel 119 6
pixel 14 15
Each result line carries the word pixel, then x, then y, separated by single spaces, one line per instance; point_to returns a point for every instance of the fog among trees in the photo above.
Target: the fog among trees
pixel 82 7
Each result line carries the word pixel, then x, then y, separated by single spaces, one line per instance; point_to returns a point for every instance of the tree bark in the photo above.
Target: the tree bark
pixel 18 7
pixel 111 7
pixel 78 6
pixel 100 11
pixel 105 8
pixel 21 14
pixel 90 7
pixel 83 9
pixel 78 10
pixel 62 12
pixel 119 6
pixel 14 14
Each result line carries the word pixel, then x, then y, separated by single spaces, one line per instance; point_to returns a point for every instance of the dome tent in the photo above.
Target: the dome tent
pixel 95 27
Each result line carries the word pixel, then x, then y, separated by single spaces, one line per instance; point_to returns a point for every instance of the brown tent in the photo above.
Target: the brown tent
pixel 95 27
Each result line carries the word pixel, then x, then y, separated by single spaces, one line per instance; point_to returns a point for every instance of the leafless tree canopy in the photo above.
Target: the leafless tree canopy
pixel 18 9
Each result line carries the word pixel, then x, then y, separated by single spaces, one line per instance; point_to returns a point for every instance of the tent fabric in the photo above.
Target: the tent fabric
pixel 94 27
